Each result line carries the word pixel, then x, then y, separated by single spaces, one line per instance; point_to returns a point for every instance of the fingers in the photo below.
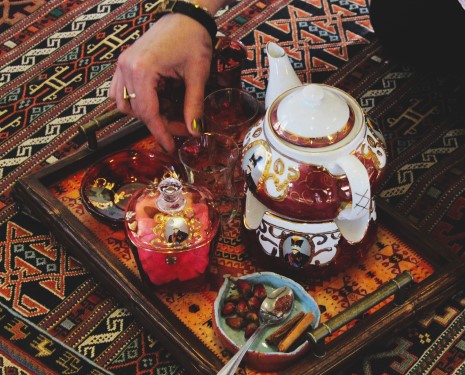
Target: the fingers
pixel 152 57
pixel 158 126
pixel 146 106
pixel 193 102
pixel 132 77
pixel 117 88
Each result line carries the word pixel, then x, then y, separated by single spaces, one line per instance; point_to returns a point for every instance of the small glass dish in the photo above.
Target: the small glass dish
pixel 263 356
pixel 109 183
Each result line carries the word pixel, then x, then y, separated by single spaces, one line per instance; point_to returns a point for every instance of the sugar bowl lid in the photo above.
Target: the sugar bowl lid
pixel 311 116
pixel 169 215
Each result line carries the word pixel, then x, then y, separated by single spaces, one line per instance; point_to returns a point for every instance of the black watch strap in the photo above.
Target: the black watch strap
pixel 191 10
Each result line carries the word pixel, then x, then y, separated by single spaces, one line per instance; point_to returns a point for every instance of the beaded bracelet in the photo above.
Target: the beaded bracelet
pixel 192 10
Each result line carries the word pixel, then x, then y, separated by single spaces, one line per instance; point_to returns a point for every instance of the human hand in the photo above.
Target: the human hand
pixel 178 47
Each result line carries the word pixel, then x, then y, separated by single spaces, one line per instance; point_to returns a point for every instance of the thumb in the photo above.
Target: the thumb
pixel 193 104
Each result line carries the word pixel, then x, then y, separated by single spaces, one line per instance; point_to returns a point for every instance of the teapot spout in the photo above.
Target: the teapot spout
pixel 281 75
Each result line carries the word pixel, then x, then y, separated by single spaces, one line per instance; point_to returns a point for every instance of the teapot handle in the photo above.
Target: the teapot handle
pixel 359 186
pixel 353 220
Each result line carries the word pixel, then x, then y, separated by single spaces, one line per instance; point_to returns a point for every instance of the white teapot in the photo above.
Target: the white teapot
pixel 311 165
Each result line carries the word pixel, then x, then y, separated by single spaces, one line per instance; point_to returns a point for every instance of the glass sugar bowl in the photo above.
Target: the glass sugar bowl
pixel 172 228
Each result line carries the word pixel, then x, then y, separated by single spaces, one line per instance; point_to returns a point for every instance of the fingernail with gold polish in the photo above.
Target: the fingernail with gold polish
pixel 197 125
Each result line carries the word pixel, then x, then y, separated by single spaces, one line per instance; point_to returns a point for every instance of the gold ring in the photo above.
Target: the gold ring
pixel 127 95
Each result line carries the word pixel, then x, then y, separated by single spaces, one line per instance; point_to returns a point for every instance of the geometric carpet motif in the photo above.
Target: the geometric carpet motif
pixel 41 353
pixel 434 345
pixel 426 173
pixel 56 60
pixel 35 269
pixel 421 116
pixel 46 314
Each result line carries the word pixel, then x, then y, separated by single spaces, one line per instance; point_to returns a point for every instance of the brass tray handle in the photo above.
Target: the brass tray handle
pixel 393 286
pixel 89 129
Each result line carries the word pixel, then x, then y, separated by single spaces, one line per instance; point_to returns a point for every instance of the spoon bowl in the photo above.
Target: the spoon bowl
pixel 277 306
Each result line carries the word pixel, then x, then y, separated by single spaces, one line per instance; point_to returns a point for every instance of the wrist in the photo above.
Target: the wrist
pixel 213 6
pixel 196 11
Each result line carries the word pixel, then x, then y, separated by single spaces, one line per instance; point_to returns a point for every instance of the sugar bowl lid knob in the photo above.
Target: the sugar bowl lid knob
pixel 171 198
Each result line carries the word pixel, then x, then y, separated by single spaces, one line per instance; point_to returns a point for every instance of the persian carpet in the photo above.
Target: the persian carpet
pixel 56 61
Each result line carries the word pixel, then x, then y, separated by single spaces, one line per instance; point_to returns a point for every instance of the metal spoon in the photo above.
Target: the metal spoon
pixel 271 313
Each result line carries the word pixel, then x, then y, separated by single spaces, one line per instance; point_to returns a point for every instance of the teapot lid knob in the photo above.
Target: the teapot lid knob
pixel 312 116
pixel 313 95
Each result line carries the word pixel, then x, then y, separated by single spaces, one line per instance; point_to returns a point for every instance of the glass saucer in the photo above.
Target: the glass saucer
pixel 109 183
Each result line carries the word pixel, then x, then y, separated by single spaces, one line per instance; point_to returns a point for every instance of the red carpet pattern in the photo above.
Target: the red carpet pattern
pixel 56 60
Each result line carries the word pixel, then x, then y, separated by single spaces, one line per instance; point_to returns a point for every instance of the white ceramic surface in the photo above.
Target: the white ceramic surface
pixel 263 144
pixel 314 158
pixel 313 112
pixel 320 240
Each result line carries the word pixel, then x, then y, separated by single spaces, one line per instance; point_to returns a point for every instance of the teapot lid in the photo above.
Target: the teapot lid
pixel 169 216
pixel 311 116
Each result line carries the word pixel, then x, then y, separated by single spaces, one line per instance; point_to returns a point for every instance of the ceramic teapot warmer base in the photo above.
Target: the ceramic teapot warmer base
pixel 347 254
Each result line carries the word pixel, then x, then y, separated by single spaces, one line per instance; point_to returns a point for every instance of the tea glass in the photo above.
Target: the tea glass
pixel 227 62
pixel 225 71
pixel 232 111
pixel 209 161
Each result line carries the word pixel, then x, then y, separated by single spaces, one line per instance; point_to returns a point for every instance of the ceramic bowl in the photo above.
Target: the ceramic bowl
pixel 262 356
pixel 109 183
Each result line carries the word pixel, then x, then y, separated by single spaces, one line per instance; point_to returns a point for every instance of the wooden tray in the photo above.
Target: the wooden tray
pixel 34 195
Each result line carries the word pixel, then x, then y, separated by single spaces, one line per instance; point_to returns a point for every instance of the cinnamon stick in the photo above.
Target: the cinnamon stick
pixel 296 332
pixel 275 337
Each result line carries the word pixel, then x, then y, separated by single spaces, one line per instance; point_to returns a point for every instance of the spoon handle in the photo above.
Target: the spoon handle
pixel 232 365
